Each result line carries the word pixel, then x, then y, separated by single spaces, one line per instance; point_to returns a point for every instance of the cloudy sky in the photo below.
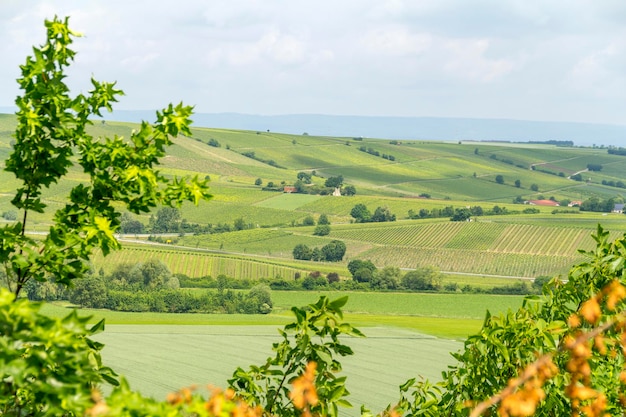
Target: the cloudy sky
pixel 557 60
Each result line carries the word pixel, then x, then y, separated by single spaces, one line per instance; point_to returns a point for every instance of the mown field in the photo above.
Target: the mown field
pixel 159 359
pixel 160 353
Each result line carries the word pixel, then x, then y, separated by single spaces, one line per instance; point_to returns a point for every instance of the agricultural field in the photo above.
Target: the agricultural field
pixel 199 264
pixel 453 174
pixel 177 350
pixel 158 359
pixel 163 352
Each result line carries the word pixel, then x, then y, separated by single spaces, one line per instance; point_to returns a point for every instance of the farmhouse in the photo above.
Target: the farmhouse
pixel 618 208
pixel 290 189
pixel 543 203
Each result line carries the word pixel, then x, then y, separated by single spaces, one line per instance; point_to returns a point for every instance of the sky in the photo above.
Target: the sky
pixel 556 60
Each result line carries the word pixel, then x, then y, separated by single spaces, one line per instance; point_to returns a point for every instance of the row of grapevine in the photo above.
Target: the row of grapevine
pixel 474 261
pixel 195 264
pixel 428 235
pixel 476 235
pixel 539 240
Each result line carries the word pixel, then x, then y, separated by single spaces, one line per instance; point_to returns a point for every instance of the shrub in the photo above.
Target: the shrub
pixel 321 230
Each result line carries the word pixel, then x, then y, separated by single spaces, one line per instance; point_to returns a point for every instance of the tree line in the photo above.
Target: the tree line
pixel 150 286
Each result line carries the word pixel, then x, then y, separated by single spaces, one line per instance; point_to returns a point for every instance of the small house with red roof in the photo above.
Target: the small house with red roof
pixel 543 203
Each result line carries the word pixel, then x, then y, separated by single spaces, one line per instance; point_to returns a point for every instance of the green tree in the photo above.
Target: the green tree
pixel 322 230
pixel 261 295
pixel 323 219
pixel 361 270
pixel 10 215
pixel 461 215
pixel 302 251
pixel 308 221
pixel 334 251
pixel 167 220
pixel 499 179
pixel 387 278
pixel 518 183
pixel 240 224
pixel 304 177
pixel 90 292
pixel 360 213
pixel 155 274
pixel 258 181
pixel 534 187
pixel 382 214
pixel 423 279
pixel 51 136
pixel 129 225
pixel 300 186
pixel 334 182
pixel 349 190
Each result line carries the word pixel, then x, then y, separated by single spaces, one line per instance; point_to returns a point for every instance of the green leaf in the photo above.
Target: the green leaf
pixel 338 303
pixel 97 328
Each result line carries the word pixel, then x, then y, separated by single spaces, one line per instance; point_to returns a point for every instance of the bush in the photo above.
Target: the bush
pixel 49 366
pixel 321 230
pixel 422 279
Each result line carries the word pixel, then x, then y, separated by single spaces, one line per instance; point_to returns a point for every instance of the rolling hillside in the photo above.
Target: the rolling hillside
pixel 385 173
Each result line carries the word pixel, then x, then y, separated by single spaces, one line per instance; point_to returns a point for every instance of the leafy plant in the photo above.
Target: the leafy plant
pixel 47 366
pixel 51 136
pixel 313 337
pixel 577 331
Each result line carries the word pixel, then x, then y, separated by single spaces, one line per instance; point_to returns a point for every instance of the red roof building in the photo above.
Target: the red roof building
pixel 543 203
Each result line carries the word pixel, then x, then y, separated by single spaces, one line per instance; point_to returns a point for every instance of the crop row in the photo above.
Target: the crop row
pixel 196 264
pixel 427 235
pixel 482 235
pixel 474 261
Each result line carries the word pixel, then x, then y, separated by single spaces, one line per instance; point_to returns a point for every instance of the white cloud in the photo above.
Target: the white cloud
pixel 396 41
pixel 403 57
pixel 466 59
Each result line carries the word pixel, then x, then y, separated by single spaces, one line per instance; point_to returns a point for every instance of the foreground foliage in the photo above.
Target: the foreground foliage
pixel 578 331
pixel 312 338
pixel 50 138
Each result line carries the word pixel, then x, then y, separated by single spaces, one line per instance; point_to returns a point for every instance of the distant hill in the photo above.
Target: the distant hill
pixel 428 128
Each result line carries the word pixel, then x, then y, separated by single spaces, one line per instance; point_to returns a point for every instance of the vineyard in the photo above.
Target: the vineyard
pixel 197 264
pixel 451 174
pixel 473 262
pixel 522 250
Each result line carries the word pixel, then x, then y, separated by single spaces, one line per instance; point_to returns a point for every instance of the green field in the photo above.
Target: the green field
pixel 453 174
pixel 160 353
pixel 158 359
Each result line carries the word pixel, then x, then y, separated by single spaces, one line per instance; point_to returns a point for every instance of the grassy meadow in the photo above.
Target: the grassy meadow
pixel 159 353
pixel 159 359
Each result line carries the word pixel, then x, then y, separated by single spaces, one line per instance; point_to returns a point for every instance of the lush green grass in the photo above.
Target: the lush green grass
pixel 444 315
pixel 159 353
pixel 160 359
pixel 452 306
pixel 288 201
